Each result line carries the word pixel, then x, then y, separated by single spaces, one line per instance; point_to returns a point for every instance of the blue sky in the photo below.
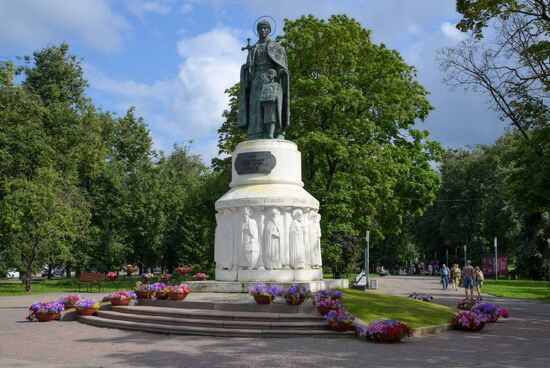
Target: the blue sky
pixel 173 59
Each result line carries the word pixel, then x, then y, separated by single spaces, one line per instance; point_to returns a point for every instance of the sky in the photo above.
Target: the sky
pixel 173 59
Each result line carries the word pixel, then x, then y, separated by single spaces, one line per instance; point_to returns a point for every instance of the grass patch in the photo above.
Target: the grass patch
pixel 65 285
pixel 527 289
pixel 370 306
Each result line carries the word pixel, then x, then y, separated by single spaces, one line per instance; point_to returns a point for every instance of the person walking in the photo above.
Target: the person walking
pixel 456 275
pixel 468 274
pixel 445 276
pixel 478 277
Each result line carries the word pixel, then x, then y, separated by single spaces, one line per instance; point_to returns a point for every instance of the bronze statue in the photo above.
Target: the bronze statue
pixel 264 95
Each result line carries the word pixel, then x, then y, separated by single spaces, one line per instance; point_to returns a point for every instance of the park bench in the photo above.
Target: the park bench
pixel 90 279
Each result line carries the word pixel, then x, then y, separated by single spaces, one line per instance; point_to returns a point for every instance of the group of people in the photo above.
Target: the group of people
pixel 469 276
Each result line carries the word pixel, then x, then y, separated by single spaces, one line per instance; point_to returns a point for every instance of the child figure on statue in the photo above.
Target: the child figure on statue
pixel 271 101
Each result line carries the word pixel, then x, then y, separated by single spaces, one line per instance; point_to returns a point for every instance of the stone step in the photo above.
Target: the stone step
pixel 210 331
pixel 218 314
pixel 218 323
pixel 236 307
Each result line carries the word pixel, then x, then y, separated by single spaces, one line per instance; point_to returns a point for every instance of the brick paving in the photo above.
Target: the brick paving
pixel 520 341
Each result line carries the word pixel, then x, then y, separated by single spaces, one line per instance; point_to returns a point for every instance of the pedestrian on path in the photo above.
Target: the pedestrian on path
pixel 478 276
pixel 456 276
pixel 445 276
pixel 468 274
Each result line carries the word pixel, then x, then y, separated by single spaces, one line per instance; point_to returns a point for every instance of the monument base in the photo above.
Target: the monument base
pixel 243 287
pixel 270 275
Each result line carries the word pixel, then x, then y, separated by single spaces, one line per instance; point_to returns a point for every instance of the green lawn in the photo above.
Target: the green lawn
pixel 370 306
pixel 528 289
pixel 65 285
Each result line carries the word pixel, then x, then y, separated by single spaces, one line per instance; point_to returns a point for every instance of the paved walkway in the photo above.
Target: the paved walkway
pixel 521 341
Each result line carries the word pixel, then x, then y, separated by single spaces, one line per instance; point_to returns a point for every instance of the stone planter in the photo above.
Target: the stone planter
pixel 46 317
pixel 388 339
pixel 263 299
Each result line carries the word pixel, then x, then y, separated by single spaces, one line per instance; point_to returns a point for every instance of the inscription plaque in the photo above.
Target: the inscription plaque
pixel 261 162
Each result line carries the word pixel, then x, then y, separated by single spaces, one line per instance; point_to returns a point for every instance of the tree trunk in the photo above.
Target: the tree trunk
pixel 50 271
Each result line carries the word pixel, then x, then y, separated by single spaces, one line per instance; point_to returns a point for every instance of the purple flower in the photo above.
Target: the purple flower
pixel 262 289
pixel 86 304
pixel 44 308
pixel 340 316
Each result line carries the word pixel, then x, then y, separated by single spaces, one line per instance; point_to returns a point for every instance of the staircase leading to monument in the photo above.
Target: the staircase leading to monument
pixel 216 319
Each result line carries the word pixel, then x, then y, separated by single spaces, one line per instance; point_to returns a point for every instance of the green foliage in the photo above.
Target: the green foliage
pixel 39 220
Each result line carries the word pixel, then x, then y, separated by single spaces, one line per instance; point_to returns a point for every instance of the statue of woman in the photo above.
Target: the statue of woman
pixel 297 237
pixel 250 245
pixel 272 240
pixel 263 56
pixel 314 231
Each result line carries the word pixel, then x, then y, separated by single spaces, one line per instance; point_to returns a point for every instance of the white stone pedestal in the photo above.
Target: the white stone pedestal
pixel 267 224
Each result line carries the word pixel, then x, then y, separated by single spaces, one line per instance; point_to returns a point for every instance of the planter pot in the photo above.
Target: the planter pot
pixel 388 338
pixel 176 296
pixel 323 310
pixel 142 294
pixel 339 326
pixel 161 296
pixel 47 317
pixel 294 301
pixel 263 299
pixel 474 328
pixel 69 306
pixel 120 301
pixel 86 312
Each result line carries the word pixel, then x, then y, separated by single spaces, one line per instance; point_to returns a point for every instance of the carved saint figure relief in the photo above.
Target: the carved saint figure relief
pixel 314 235
pixel 297 234
pixel 272 240
pixel 250 245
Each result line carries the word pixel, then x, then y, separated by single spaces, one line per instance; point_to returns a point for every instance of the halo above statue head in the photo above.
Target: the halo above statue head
pixel 267 19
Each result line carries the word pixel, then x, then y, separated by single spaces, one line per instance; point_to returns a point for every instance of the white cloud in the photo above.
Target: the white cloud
pixel 188 106
pixel 141 8
pixel 31 24
pixel 450 31
pixel 186 8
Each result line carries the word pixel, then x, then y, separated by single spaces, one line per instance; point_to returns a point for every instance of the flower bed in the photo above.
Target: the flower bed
pixel 339 319
pixel 421 296
pixel 200 276
pixel 183 270
pixel 492 311
pixel 327 300
pixel 68 301
pixel 469 320
pixel 296 294
pixel 146 277
pixel 386 331
pixel 86 307
pixel 264 294
pixel 112 275
pixel 177 292
pixel 45 311
pixel 121 297
pixel 466 304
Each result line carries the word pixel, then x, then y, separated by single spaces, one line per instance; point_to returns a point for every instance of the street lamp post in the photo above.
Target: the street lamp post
pixel 496 259
pixel 367 259
pixel 465 254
